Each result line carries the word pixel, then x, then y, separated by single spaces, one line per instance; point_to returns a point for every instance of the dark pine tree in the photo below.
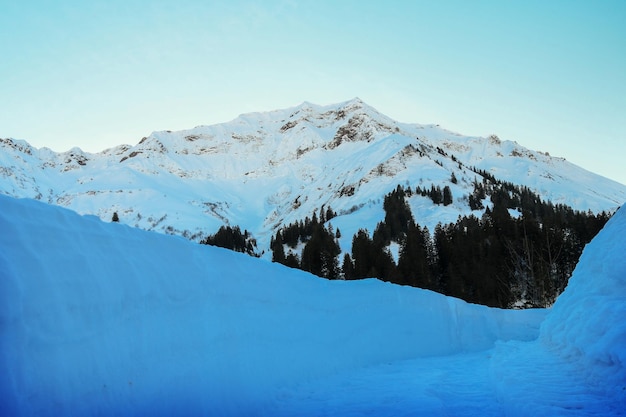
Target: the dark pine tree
pixel 319 255
pixel 231 238
pixel 278 251
pixel 347 267
pixel 413 263
pixel 361 254
pixel 447 196
pixel 292 260
pixel 397 215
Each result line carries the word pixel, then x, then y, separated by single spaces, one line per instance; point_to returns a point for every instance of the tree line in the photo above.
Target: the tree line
pixel 232 238
pixel 320 248
pixel 497 259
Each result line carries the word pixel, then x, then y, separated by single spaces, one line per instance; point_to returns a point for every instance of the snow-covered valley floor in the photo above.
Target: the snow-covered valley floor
pixel 513 379
pixel 103 319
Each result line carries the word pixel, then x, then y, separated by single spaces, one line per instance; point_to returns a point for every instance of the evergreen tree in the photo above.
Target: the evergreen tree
pixel 278 251
pixel 319 255
pixel 398 215
pixel 447 196
pixel 292 260
pixel 231 238
pixel 361 251
pixel 347 267
pixel 330 214
pixel 436 194
pixel 413 263
pixel 371 259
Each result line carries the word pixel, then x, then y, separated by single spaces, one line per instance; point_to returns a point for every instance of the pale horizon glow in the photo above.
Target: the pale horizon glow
pixel 548 75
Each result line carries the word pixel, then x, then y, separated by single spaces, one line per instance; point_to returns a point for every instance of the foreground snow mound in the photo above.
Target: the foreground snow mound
pixel 588 321
pixel 104 319
pixel 577 368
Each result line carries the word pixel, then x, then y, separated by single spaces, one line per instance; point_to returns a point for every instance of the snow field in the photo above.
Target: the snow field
pixel 103 319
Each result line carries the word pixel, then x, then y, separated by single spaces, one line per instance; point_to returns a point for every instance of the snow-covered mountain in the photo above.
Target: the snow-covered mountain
pixel 262 171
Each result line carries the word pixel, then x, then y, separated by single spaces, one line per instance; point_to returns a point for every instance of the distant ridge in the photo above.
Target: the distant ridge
pixel 264 170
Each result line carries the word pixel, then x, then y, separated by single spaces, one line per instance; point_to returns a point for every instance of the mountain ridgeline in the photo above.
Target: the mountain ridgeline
pixel 264 184
pixel 520 253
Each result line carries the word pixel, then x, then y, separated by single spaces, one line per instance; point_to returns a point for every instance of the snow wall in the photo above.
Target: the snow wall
pixel 587 323
pixel 103 319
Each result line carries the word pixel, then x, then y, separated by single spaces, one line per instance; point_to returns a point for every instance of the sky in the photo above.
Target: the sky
pixel 548 75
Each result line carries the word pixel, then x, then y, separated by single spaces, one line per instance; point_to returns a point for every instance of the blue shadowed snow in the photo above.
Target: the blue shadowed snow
pixel 103 319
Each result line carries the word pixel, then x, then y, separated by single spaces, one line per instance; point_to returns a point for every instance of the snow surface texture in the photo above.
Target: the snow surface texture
pixel 588 321
pixel 103 319
pixel 263 171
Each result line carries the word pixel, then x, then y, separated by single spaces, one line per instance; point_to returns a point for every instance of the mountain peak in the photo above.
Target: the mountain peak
pixel 351 105
pixel 354 102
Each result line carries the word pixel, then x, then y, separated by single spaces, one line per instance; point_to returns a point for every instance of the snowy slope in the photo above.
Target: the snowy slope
pixel 576 367
pixel 103 319
pixel 265 170
pixel 96 316
pixel 587 321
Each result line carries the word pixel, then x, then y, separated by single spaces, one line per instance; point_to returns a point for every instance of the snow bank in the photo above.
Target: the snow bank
pixel 103 319
pixel 575 369
pixel 588 321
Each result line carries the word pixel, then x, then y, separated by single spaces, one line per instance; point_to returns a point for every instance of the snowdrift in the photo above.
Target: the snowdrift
pixel 103 319
pixel 588 321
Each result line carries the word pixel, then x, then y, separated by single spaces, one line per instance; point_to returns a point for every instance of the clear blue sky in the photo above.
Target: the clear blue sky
pixel 550 75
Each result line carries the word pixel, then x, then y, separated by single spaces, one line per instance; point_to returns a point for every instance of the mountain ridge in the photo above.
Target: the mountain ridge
pixel 264 170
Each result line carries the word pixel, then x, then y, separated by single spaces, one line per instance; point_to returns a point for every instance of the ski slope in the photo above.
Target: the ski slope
pixel 104 319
